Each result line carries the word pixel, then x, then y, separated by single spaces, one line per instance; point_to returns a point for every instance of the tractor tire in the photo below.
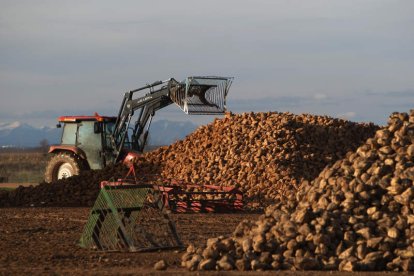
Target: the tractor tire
pixel 62 165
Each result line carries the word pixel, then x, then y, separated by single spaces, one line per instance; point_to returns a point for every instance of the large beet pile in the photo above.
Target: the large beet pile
pixel 263 153
pixel 357 215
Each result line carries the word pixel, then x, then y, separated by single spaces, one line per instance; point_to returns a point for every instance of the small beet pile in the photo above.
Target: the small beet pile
pixel 358 214
pixel 77 191
pixel 264 154
pixel 80 190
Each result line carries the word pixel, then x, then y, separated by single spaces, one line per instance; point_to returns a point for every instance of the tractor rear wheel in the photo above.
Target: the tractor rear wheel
pixel 62 165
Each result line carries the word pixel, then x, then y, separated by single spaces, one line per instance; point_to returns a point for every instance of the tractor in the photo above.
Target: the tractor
pixel 94 142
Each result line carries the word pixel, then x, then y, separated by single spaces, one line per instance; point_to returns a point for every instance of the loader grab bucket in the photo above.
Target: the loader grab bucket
pixel 129 218
pixel 201 95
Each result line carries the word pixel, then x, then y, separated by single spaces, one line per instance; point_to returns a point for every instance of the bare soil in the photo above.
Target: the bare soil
pixel 45 241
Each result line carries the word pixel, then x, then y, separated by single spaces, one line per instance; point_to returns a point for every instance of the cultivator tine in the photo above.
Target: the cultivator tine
pixel 184 198
pixel 129 218
pixel 201 95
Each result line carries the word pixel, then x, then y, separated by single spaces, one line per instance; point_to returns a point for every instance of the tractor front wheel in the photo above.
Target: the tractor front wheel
pixel 62 165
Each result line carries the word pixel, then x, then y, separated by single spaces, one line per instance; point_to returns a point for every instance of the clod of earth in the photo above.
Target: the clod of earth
pixel 160 265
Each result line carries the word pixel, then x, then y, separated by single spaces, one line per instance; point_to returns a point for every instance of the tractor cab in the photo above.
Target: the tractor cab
pixel 85 144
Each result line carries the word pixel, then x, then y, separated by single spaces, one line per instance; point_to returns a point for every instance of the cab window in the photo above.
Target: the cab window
pixel 69 134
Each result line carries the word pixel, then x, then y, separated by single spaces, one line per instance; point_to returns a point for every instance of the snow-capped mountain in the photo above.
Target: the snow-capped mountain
pixel 17 134
pixel 9 126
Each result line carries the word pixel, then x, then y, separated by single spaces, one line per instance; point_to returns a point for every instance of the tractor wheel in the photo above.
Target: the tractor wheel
pixel 62 165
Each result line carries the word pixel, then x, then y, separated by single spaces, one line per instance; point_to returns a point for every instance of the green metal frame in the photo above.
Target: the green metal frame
pixel 129 218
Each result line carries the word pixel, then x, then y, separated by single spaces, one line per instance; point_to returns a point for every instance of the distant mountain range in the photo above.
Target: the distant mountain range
pixel 165 132
pixel 17 134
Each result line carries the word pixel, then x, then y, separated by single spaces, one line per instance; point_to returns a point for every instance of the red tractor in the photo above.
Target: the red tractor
pixel 93 142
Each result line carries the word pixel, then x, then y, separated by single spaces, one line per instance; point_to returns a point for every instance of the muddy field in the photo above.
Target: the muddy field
pixel 44 241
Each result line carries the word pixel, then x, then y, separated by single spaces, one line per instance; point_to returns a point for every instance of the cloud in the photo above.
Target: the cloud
pixel 314 57
pixel 320 96
pixel 282 102
pixel 396 93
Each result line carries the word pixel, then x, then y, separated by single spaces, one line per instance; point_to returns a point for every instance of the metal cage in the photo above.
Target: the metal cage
pixel 129 218
pixel 201 95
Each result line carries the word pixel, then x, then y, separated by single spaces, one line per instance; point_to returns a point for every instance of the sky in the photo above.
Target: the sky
pixel 352 59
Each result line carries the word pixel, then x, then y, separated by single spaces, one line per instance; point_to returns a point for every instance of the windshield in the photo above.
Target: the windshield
pixel 69 134
pixel 109 129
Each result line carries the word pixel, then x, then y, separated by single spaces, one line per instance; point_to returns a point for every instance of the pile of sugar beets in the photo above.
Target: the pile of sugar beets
pixel 264 154
pixel 358 214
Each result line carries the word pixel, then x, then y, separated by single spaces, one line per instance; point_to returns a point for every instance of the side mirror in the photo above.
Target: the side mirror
pixel 97 127
pixel 58 125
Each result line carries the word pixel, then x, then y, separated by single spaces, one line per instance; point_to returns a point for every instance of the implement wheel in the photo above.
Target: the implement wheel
pixel 62 165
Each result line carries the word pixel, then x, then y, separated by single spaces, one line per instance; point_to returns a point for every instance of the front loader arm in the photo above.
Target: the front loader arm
pixel 142 125
pixel 155 99
pixel 195 95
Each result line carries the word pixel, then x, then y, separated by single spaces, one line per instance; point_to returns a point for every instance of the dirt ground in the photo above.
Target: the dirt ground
pixel 45 241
